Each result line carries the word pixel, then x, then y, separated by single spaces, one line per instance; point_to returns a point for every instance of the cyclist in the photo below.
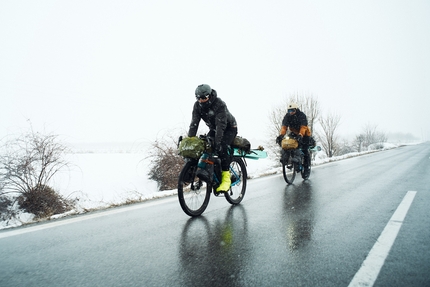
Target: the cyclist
pixel 222 126
pixel 297 121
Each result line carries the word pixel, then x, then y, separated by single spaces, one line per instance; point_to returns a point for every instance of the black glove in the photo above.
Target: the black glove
pixel 279 139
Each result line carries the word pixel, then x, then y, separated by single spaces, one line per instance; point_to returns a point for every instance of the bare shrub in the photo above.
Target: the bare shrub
pixel 43 201
pixel 6 212
pixel 27 166
pixel 165 163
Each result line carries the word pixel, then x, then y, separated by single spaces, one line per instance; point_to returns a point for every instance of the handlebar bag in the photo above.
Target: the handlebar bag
pixel 191 147
pixel 289 143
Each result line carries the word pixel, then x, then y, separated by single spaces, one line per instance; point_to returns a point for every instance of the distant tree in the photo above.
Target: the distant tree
pixel 358 142
pixel 370 135
pixel 27 165
pixel 345 147
pixel 401 137
pixel 328 137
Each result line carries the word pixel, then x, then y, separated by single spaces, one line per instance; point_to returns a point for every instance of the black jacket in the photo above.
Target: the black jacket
pixel 294 122
pixel 215 115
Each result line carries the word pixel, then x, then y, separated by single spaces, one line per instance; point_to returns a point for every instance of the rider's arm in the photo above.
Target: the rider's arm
pixel 220 123
pixel 283 130
pixel 195 120
pixel 303 125
pixel 303 130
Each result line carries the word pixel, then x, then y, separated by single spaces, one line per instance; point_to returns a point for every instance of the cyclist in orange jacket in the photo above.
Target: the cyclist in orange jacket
pixel 297 122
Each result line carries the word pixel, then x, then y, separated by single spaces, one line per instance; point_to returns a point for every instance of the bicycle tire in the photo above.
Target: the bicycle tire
pixel 193 194
pixel 288 169
pixel 239 177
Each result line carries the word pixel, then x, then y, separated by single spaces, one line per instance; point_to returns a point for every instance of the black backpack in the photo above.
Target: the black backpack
pixel 242 144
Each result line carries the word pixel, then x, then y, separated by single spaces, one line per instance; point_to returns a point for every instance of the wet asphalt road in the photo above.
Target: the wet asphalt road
pixel 312 233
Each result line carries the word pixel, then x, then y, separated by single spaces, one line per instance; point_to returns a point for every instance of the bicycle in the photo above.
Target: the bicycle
pixel 292 160
pixel 194 193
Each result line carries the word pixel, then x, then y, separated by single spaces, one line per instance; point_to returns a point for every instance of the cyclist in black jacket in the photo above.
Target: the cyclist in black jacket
pixel 222 126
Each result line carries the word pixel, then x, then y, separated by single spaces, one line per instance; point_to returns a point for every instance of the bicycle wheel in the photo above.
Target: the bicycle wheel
pixel 306 176
pixel 238 176
pixel 288 168
pixel 193 193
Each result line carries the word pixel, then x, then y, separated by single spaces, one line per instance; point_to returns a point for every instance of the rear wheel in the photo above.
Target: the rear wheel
pixel 193 194
pixel 238 176
pixel 288 168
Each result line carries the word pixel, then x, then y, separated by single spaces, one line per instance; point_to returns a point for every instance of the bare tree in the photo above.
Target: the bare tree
pixel 329 138
pixel 27 165
pixel 371 135
pixel 357 144
pixel 345 147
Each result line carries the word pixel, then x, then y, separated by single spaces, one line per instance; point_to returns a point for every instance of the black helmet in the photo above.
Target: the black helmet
pixel 203 91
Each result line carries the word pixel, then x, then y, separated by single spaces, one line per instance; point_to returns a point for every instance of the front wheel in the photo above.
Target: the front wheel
pixel 238 176
pixel 193 194
pixel 288 167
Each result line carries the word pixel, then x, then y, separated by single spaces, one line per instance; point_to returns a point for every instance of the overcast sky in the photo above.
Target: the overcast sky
pixel 102 70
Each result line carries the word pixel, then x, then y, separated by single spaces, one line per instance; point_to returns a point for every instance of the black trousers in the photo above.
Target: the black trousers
pixel 304 146
pixel 227 140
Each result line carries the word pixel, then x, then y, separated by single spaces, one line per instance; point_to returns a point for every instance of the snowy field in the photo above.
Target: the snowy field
pixel 103 179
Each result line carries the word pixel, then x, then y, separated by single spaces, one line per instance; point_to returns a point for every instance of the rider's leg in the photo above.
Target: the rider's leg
pixel 225 157
pixel 225 181
pixel 305 149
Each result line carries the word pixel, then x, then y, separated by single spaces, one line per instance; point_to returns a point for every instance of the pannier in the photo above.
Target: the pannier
pixel 192 147
pixel 205 168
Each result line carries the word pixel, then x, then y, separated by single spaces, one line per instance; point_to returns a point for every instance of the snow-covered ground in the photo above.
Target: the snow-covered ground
pixel 101 179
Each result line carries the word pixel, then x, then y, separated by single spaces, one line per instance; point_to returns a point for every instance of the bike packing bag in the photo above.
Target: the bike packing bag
pixel 191 147
pixel 205 169
pixel 242 144
pixel 289 143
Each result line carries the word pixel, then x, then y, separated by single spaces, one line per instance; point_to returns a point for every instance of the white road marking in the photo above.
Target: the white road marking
pixel 374 261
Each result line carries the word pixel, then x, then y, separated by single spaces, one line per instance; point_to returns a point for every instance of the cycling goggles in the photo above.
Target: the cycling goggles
pixel 291 110
pixel 202 97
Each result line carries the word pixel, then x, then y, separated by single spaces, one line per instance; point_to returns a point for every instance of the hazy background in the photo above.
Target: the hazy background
pixel 103 70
